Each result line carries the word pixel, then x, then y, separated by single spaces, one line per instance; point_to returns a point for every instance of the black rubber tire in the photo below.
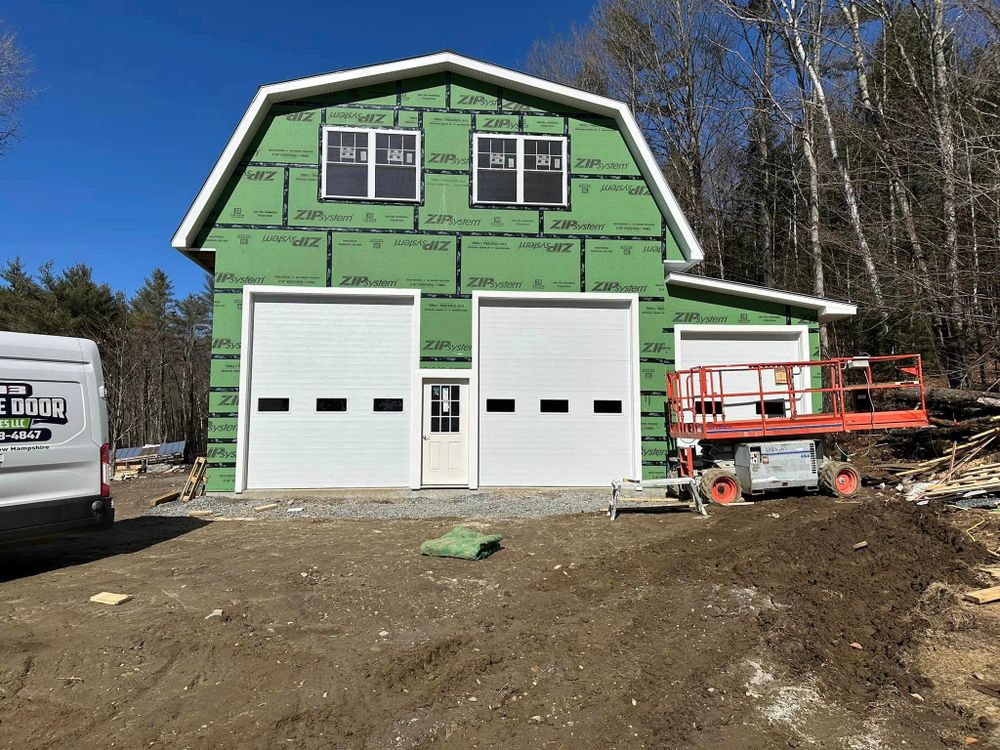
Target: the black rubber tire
pixel 710 477
pixel 828 474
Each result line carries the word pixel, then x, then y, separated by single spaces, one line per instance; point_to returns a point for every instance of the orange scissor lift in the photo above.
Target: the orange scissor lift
pixel 793 404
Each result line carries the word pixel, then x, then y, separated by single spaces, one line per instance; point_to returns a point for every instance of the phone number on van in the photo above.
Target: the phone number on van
pixel 25 436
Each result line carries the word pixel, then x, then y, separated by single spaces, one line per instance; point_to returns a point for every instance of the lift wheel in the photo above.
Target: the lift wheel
pixel 720 486
pixel 839 479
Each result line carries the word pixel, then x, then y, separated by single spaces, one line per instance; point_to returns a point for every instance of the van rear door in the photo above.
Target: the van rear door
pixel 48 431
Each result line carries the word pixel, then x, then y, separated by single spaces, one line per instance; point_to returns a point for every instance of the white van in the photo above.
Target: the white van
pixel 54 453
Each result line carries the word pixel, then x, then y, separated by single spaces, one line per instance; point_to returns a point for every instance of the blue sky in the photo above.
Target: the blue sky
pixel 136 100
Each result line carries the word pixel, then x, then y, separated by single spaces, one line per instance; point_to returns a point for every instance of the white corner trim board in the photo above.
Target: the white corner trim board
pixel 315 410
pixel 439 62
pixel 827 309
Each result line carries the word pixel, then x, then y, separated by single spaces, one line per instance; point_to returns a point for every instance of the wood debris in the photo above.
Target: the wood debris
pixel 167 498
pixel 964 471
pixel 106 597
pixel 973 446
pixel 983 596
pixel 195 480
pixel 266 506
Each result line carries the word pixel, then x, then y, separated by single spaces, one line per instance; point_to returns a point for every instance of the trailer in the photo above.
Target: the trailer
pixel 746 429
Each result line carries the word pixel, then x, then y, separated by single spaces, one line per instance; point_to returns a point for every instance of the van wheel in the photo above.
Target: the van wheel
pixel 839 479
pixel 720 486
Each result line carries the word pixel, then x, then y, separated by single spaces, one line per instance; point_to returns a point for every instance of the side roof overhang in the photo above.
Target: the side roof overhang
pixel 300 88
pixel 826 309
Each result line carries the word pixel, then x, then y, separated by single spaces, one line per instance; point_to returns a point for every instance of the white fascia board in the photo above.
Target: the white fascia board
pixel 827 309
pixel 439 62
pixel 678 266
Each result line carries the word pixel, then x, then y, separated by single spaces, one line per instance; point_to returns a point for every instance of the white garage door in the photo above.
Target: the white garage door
pixel 738 345
pixel 330 392
pixel 555 393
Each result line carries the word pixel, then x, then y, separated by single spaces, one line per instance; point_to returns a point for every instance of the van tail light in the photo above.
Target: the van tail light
pixel 105 470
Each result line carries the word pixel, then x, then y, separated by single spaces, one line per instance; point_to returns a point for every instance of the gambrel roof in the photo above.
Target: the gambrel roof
pixel 299 88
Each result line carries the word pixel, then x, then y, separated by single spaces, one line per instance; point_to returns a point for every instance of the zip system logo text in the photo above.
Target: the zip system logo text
pixel 488 282
pixel 366 281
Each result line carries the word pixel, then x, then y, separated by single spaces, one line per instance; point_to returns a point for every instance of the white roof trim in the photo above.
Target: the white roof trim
pixel 426 65
pixel 827 309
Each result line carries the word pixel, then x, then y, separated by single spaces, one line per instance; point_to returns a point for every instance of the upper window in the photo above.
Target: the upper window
pixel 371 164
pixel 519 169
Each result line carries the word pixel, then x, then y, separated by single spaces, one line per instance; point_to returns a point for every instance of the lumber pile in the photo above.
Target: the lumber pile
pixel 960 454
pixel 963 471
pixel 974 480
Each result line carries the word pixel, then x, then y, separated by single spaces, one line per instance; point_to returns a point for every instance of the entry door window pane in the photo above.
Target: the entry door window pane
pixel 445 415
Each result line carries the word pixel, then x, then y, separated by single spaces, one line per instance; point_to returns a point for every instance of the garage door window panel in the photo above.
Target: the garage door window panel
pixel 519 170
pixel 272 404
pixel 387 404
pixel 500 405
pixel 372 164
pixel 554 406
pixel 773 407
pixel 607 406
pixel 331 404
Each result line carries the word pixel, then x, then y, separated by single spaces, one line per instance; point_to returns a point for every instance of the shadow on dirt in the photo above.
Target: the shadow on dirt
pixel 127 536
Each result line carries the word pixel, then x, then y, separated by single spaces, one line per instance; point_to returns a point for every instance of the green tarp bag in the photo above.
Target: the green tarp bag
pixel 463 543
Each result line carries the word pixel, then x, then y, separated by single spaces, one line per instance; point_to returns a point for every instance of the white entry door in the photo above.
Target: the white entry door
pixel 445 443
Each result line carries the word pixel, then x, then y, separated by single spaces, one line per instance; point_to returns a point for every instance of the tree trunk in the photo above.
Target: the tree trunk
pixel 793 34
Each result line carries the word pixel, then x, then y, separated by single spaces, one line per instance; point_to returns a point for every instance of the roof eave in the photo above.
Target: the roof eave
pixel 827 310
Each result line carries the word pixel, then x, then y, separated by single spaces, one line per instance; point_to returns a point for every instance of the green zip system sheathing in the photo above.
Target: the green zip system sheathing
pixel 270 226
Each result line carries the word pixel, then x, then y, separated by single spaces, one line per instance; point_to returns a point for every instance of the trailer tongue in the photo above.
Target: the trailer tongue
pixel 751 428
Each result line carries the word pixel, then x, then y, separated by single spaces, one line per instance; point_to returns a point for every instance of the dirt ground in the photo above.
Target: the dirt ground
pixel 660 630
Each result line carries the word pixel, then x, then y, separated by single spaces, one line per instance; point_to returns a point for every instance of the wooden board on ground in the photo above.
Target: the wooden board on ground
pixel 983 596
pixel 266 506
pixel 167 498
pixel 106 597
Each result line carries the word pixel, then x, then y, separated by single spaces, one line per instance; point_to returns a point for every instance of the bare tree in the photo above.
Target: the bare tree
pixel 14 89
pixel 830 146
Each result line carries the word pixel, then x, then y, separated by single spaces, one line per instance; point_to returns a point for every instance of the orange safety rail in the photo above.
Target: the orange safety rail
pixel 729 402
